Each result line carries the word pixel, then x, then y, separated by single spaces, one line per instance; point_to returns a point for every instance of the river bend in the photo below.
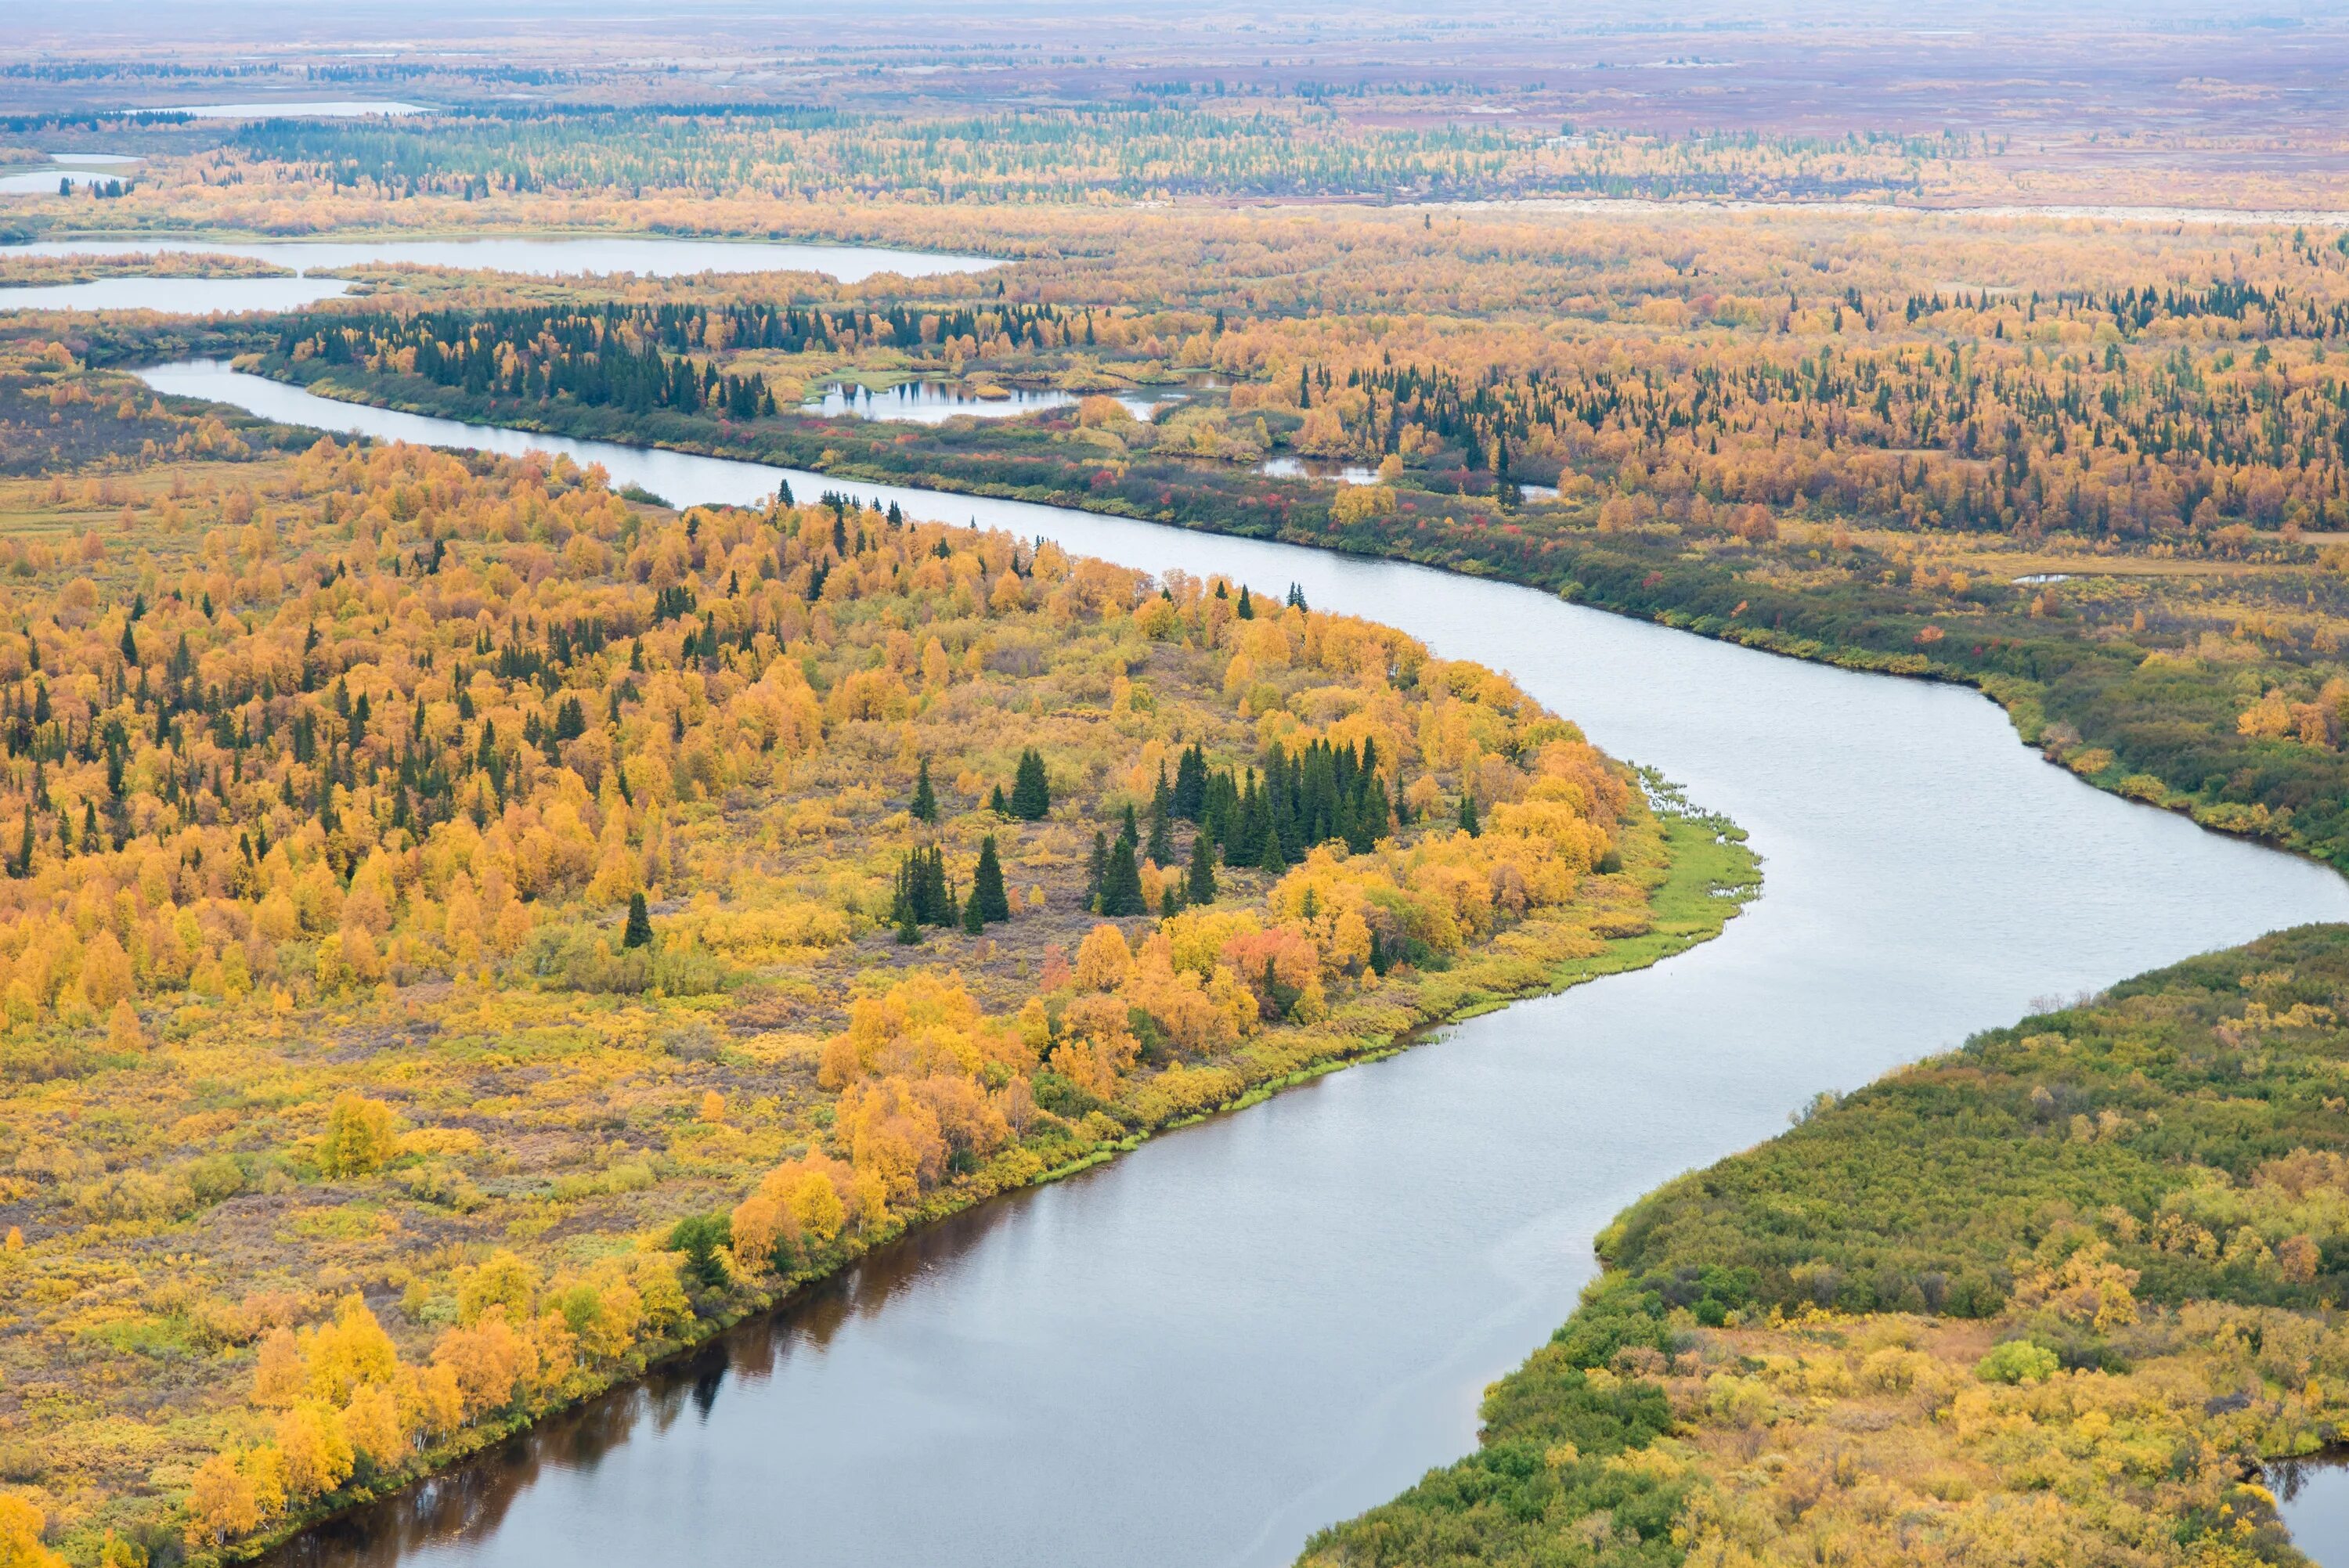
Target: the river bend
pixel 1199 1353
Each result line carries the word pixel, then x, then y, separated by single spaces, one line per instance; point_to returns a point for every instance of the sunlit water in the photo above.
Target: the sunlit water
pixel 583 256
pixel 1201 1352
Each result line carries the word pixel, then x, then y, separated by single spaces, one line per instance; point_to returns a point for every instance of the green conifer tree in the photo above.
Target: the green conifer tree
pixel 926 799
pixel 1121 890
pixel 1162 822
pixel 1271 859
pixel 1096 866
pixel 986 892
pixel 1202 888
pixel 1032 791
pixel 639 932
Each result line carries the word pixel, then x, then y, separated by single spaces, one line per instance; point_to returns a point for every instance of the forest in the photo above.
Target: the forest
pixel 465 935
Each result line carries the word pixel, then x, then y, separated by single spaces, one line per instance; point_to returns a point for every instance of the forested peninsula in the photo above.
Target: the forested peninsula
pixel 466 935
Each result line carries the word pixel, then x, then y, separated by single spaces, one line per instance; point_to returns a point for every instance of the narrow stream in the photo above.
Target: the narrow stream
pixel 1199 1354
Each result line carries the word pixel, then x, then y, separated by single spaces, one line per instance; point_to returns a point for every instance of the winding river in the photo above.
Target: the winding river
pixel 1199 1353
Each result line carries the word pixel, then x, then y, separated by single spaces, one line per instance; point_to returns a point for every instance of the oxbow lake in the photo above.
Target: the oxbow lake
pixel 1201 1352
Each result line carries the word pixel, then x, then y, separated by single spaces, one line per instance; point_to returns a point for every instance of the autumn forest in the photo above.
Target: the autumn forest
pixel 476 932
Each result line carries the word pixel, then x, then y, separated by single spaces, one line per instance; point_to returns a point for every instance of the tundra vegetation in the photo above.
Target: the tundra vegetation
pixel 2051 1298
pixel 465 935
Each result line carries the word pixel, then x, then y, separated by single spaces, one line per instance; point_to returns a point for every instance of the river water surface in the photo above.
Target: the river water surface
pixel 1201 1352
pixel 558 257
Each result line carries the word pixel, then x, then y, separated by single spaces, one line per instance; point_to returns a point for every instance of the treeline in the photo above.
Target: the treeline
pixel 640 358
pixel 1312 143
pixel 1967 438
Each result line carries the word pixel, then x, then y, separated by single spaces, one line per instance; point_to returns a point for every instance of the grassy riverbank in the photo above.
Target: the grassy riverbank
pixel 2049 1298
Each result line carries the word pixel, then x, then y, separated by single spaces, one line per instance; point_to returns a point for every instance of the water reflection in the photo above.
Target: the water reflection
pixel 1295 468
pixel 467 1504
pixel 2313 1495
pixel 936 402
pixel 1318 469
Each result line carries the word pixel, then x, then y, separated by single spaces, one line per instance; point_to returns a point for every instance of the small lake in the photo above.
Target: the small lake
pixel 580 255
pixel 933 403
pixel 1345 473
pixel 1293 468
pixel 1203 1351
pixel 74 168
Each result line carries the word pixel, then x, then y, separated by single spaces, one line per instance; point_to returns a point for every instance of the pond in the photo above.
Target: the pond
pixel 1202 1351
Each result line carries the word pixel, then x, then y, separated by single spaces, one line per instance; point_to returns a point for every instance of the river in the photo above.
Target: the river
pixel 1199 1353
pixel 590 254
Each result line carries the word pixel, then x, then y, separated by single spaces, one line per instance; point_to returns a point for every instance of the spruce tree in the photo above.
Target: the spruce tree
pixel 986 894
pixel 1032 791
pixel 1162 829
pixel 973 921
pixel 1120 889
pixel 926 799
pixel 639 932
pixel 1202 888
pixel 998 804
pixel 1190 796
pixel 1468 815
pixel 1271 859
pixel 1247 607
pixel 1096 864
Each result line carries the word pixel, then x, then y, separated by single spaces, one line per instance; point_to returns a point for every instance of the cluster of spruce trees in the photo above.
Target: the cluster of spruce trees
pixel 1319 794
pixel 925 896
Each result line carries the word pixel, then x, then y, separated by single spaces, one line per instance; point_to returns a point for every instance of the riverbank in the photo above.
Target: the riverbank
pixel 2057 1293
pixel 2145 711
pixel 1704 875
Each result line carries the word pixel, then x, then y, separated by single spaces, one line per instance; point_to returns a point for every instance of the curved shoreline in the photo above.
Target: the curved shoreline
pixel 1710 876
